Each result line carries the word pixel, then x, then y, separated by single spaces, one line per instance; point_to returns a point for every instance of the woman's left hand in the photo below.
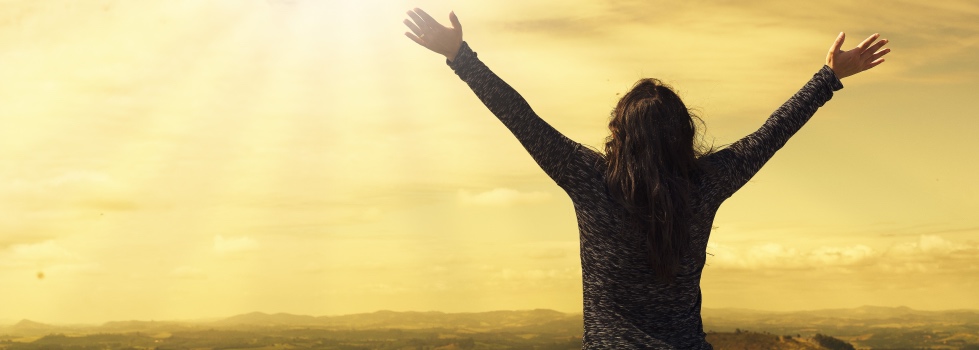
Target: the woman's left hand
pixel 427 32
pixel 863 57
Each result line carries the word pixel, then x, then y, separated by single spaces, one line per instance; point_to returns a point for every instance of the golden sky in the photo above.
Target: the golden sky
pixel 182 159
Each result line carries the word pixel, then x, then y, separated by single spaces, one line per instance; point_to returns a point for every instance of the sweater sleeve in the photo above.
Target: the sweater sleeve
pixel 740 161
pixel 549 148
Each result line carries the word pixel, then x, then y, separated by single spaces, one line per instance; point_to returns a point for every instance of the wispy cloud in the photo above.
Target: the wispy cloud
pixel 929 252
pixel 12 234
pixel 501 196
pixel 539 274
pixel 41 254
pixel 515 279
pixel 552 250
pixel 188 272
pixel 688 36
pixel 50 257
pixel 76 189
pixel 233 245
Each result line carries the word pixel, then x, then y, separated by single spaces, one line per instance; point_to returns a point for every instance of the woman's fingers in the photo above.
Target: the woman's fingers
pixel 875 63
pixel 866 42
pixel 838 43
pixel 413 27
pixel 419 21
pixel 455 21
pixel 873 49
pixel 877 58
pixel 431 22
pixel 415 38
pixel 429 33
pixel 878 55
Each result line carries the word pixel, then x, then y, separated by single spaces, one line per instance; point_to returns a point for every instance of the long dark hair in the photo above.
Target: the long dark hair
pixel 652 156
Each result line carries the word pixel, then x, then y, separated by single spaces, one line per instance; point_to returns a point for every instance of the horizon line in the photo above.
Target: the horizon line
pixel 7 322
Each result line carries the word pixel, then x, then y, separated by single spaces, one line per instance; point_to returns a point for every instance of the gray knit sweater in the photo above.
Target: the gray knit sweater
pixel 624 306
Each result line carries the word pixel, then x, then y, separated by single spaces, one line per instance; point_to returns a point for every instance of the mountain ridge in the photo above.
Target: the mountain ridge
pixel 284 318
pixel 865 327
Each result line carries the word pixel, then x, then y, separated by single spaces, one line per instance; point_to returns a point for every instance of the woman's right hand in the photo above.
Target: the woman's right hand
pixel 856 60
pixel 427 32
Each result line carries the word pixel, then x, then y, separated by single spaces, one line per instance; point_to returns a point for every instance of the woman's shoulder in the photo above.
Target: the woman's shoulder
pixel 585 170
pixel 594 160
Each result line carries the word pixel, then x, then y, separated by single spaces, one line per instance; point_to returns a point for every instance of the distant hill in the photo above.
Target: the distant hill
pixel 263 319
pixel 740 340
pixel 139 326
pixel 273 338
pixel 830 319
pixel 28 327
pixel 866 326
pixel 475 321
pixel 863 327
pixel 404 320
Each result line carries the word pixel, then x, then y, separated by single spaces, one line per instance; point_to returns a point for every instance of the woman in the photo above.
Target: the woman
pixel 645 207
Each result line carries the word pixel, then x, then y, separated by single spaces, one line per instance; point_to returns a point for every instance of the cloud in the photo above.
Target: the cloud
pixel 37 254
pixel 759 256
pixel 928 253
pixel 71 189
pixel 48 257
pixel 927 245
pixel 532 279
pixel 371 214
pixel 438 269
pixel 501 197
pixel 552 250
pixel 776 256
pixel 48 250
pixel 234 244
pixel 384 288
pixel 313 268
pixel 538 274
pixel 556 26
pixel 188 272
pixel 91 268
pixel 841 256
pixel 927 55
pixel 550 254
pixel 12 234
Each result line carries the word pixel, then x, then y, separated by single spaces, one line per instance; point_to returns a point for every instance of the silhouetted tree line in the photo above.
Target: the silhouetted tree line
pixel 832 343
pixel 302 339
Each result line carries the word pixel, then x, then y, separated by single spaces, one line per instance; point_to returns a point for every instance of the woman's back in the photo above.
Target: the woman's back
pixel 624 303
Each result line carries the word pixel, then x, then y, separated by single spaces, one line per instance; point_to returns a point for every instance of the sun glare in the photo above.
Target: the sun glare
pixel 183 158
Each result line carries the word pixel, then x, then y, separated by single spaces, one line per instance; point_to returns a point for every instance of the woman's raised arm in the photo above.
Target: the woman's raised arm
pixel 549 148
pixel 741 160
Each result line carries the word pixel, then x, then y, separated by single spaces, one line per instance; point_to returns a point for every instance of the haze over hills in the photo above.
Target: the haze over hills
pixel 31 327
pixel 839 319
pixel 482 321
pixel 407 320
pixel 507 318
pixel 865 327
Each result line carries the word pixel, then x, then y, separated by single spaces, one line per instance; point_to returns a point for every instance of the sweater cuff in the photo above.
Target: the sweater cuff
pixel 464 57
pixel 830 77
